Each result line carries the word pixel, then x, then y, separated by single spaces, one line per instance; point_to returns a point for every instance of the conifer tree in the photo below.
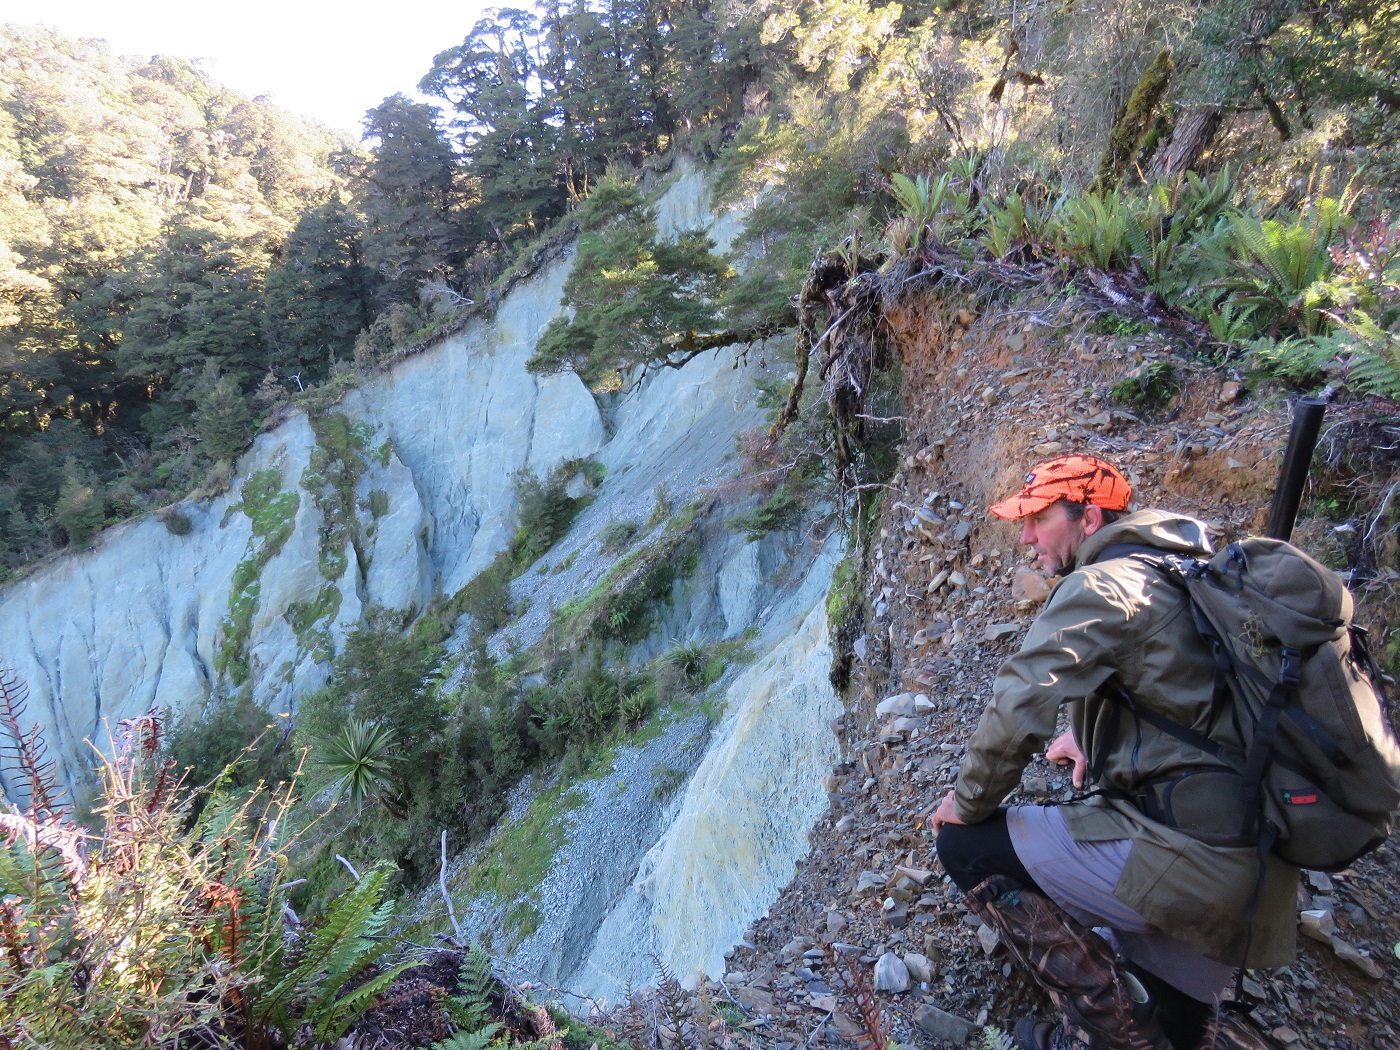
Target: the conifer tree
pixel 319 294
pixel 410 199
pixel 222 418
pixel 79 510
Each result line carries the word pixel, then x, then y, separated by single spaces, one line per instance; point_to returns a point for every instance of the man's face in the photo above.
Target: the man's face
pixel 1055 537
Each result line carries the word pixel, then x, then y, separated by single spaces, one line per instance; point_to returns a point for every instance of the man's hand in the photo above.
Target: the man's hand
pixel 945 814
pixel 1065 750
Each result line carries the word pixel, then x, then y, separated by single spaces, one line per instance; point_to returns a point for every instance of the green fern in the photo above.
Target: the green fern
pixel 344 945
pixel 1093 230
pixel 1298 360
pixel 921 199
pixel 1368 354
pixel 1012 224
pixel 1232 321
pixel 474 1040
pixel 1282 267
pixel 1374 356
pixel 471 1006
pixel 995 1039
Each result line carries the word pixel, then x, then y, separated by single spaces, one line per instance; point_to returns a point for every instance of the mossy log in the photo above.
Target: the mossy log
pixel 1131 128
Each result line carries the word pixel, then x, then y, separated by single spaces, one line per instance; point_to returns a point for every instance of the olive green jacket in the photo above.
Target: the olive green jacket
pixel 1121 620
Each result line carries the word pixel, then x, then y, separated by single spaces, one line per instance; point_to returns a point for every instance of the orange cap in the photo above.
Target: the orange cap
pixel 1079 479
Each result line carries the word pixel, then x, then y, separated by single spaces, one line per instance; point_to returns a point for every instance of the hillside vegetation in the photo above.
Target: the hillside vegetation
pixel 180 266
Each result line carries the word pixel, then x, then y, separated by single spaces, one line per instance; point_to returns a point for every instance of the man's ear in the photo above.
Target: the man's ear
pixel 1093 519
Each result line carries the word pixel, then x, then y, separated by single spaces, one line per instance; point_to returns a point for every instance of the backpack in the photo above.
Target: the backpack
pixel 1319 776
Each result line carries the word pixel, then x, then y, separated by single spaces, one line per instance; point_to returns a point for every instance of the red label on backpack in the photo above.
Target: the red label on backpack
pixel 1295 799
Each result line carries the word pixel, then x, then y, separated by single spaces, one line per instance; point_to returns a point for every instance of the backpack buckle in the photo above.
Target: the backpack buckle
pixel 1290 667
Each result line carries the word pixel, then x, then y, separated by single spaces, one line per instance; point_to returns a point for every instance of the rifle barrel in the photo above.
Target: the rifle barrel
pixel 1293 475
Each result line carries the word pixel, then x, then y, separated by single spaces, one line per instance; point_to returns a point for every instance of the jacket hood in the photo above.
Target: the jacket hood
pixel 1175 533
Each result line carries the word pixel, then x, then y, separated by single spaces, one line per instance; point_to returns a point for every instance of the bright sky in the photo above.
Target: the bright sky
pixel 322 60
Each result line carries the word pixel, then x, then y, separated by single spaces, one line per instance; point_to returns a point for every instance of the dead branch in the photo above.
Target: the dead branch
pixel 447 897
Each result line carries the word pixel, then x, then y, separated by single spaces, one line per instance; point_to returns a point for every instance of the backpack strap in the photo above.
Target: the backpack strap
pixel 1177 569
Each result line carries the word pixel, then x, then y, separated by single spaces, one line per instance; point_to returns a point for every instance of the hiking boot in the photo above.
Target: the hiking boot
pixel 1183 1018
pixel 1031 1034
pixel 1104 1006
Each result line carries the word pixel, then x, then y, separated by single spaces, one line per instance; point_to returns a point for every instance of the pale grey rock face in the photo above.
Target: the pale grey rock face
pixel 144 620
pixel 721 849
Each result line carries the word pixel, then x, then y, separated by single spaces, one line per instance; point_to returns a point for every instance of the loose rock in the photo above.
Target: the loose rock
pixel 997 631
pixel 899 704
pixel 891 975
pixel 1029 586
pixel 920 969
pixel 940 1024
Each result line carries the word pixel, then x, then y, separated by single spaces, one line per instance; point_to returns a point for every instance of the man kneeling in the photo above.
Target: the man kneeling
pixel 1133 927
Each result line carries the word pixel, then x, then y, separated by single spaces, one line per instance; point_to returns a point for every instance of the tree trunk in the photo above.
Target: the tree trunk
pixel 1126 137
pixel 1194 133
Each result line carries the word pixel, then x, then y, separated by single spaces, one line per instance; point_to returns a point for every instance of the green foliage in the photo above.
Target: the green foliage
pixel 1149 387
pixel 471 1006
pixel 233 740
pixel 478 1039
pixel 616 535
pixel 176 521
pixel 920 199
pixel 594 473
pixel 521 854
pixel 223 419
pixel 586 701
pixel 1280 267
pixel 319 984
pixel 272 514
pixel 1093 230
pixel 843 598
pixel 780 511
pixel 361 759
pixel 79 511
pixel 633 294
pixel 337 464
pixel 170 928
pixel 1015 223
pixel 546 510
pixel 617 607
pixel 688 659
pixel 994 1038
pixel 668 781
pixel 486 596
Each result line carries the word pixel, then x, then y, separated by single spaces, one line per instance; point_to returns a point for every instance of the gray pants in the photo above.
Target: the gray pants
pixel 1080 877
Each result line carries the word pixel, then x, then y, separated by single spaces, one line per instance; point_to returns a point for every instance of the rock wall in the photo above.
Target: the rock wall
pixel 405 490
pixel 150 619
pixel 738 830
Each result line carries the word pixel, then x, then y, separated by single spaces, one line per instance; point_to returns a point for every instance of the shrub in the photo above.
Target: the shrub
pixel 79 510
pixel 361 758
pixel 1149 387
pixel 486 597
pixel 778 513
pixel 616 535
pixel 689 659
pixel 167 930
pixel 235 739
pixel 546 512
pixel 593 473
pixel 176 521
